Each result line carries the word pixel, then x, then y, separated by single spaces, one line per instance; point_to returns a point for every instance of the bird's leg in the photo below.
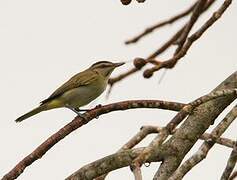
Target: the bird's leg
pixel 76 111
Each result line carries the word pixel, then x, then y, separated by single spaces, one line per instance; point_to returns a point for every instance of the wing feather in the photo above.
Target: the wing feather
pixel 81 79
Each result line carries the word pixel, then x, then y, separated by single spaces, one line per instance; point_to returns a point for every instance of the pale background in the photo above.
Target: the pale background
pixel 43 43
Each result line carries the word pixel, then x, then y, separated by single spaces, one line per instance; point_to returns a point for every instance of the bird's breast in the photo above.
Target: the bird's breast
pixel 83 95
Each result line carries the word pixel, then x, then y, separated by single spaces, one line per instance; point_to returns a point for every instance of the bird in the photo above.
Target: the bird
pixel 79 90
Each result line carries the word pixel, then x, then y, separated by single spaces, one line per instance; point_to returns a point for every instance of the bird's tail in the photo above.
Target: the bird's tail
pixel 37 110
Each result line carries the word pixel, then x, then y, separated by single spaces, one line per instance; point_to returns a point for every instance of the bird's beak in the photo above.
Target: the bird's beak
pixel 119 64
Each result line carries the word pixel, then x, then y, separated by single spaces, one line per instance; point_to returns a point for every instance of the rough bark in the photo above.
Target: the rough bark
pixel 196 124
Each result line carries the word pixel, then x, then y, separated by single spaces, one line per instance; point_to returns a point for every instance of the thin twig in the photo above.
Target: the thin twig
pixel 222 141
pixel 230 164
pixel 197 11
pixel 169 64
pixel 162 49
pixel 205 136
pixel 161 24
pixel 137 174
pixel 133 70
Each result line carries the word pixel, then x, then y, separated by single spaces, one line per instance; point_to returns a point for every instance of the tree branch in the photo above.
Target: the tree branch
pixel 163 48
pixel 167 130
pixel 231 163
pixel 161 24
pixel 233 175
pixel 169 64
pixel 205 147
pixel 194 126
pixel 78 122
pixel 197 11
pixel 144 131
pixel 109 163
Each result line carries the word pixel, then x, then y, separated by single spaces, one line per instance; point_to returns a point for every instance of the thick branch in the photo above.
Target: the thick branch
pixel 193 127
pixel 107 164
pixel 137 138
pixel 167 130
pixel 146 130
pixel 205 147
pixel 110 163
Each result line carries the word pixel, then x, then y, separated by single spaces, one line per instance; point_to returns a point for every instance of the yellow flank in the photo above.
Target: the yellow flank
pixel 56 103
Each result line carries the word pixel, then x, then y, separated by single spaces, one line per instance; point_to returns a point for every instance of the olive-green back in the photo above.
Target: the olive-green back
pixel 81 79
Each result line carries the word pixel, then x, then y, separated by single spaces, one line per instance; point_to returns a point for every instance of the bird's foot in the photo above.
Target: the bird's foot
pixel 79 114
pixel 98 106
pixel 77 111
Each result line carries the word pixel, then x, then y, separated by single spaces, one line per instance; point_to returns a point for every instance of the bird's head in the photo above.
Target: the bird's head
pixel 105 68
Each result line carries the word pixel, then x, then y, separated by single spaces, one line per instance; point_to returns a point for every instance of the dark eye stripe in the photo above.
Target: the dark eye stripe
pixel 102 64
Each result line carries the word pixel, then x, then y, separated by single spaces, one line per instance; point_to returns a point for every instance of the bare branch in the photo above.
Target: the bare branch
pixel 78 122
pixel 231 163
pixel 144 131
pixel 137 173
pixel 104 165
pixel 163 48
pixel 172 62
pixel 233 175
pixel 178 145
pixel 161 24
pixel 197 11
pixel 205 136
pixel 164 133
pixel 205 147
pixel 107 164
pixel 222 141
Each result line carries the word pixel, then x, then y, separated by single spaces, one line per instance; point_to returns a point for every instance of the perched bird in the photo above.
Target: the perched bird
pixel 78 91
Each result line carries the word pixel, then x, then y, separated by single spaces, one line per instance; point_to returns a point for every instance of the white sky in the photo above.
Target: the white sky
pixel 43 43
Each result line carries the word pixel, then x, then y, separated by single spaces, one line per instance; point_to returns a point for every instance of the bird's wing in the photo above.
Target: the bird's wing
pixel 81 79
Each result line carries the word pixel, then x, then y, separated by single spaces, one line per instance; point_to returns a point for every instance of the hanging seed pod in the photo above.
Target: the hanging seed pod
pixel 141 1
pixel 125 2
pixel 147 73
pixel 139 62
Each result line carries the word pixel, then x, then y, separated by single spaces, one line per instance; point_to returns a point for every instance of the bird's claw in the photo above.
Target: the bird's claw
pixel 98 106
